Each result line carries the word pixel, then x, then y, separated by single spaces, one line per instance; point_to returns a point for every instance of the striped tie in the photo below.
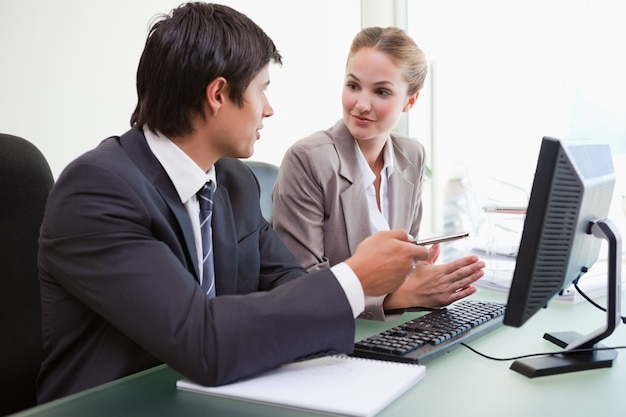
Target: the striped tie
pixel 205 198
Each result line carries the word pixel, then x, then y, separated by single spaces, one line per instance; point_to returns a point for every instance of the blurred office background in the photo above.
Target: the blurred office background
pixel 503 74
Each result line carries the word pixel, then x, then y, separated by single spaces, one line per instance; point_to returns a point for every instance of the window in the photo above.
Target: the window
pixel 504 74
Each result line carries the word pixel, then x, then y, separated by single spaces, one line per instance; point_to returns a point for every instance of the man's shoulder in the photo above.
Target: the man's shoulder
pixel 107 151
pixel 232 173
pixel 110 159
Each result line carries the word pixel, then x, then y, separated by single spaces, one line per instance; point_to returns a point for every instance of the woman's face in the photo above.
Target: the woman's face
pixel 374 95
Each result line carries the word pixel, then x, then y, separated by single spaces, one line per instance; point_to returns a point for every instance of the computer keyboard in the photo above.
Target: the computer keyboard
pixel 433 334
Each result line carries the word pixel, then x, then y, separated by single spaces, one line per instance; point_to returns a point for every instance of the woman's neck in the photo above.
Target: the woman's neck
pixel 372 150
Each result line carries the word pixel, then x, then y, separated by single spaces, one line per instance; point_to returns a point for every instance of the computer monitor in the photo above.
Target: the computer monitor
pixel 563 231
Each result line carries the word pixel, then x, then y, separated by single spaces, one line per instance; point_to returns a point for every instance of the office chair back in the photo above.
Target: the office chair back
pixel 25 181
pixel 266 173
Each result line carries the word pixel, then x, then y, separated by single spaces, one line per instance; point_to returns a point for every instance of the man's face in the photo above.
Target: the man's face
pixel 239 127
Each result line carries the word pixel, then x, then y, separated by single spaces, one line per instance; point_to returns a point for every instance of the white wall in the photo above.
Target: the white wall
pixel 68 68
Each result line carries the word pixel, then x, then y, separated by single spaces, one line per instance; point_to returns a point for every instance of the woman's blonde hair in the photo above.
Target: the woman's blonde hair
pixel 400 48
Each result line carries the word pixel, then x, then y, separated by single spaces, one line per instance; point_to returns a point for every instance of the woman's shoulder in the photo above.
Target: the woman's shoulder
pixel 406 142
pixel 320 138
pixel 316 152
pixel 319 144
pixel 408 148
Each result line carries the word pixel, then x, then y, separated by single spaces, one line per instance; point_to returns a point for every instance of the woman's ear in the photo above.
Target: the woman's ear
pixel 411 102
pixel 215 94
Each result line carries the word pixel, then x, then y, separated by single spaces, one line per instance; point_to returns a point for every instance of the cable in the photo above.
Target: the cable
pixel 565 352
pixel 586 297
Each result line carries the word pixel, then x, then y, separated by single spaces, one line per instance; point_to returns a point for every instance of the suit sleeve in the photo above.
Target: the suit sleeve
pixel 112 245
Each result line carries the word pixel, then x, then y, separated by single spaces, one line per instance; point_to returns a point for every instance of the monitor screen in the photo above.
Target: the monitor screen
pixel 572 190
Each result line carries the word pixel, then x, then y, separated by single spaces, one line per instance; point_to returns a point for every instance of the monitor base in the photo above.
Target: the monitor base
pixel 561 363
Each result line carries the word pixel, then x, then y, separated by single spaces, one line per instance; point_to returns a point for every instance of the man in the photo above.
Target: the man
pixel 121 247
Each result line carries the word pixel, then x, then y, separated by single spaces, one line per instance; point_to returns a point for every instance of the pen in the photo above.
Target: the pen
pixel 439 239
pixel 505 210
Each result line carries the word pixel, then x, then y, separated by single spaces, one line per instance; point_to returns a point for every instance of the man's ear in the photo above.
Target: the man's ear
pixel 411 102
pixel 215 94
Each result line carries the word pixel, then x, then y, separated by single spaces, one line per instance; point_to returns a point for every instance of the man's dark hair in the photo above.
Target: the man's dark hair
pixel 186 50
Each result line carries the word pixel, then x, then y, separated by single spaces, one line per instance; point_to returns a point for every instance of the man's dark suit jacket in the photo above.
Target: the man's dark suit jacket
pixel 119 279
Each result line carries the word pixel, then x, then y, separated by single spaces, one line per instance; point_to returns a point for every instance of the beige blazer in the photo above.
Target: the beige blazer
pixel 320 206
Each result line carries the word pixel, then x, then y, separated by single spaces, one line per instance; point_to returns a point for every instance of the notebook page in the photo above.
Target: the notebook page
pixel 336 384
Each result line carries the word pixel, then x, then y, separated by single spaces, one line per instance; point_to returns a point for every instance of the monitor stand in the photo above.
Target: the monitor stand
pixel 597 355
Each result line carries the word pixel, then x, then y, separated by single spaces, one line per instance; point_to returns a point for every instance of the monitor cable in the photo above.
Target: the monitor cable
pixel 563 352
pixel 586 297
pixel 530 355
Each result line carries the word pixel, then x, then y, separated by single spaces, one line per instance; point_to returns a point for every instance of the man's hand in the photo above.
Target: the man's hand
pixel 383 261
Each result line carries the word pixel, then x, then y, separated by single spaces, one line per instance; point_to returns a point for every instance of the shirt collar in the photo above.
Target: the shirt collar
pixel 184 173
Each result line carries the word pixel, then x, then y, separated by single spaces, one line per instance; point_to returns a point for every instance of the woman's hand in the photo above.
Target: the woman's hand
pixel 433 285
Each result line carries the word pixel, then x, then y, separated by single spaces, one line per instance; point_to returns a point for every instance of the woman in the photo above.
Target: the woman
pixel 338 186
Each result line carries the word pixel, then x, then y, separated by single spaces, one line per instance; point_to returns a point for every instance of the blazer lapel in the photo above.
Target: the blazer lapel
pixel 135 145
pixel 353 199
pixel 224 243
pixel 169 194
pixel 399 188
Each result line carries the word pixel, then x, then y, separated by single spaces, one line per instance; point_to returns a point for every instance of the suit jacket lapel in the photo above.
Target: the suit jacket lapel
pixel 169 194
pixel 224 243
pixel 135 145
pixel 399 188
pixel 356 220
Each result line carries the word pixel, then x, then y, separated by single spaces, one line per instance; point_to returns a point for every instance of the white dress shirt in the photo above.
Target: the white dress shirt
pixel 379 218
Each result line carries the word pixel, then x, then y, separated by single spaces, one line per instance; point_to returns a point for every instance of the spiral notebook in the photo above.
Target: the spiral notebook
pixel 337 384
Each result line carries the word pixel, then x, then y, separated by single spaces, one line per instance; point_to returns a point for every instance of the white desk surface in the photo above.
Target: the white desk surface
pixel 459 383
pixel 462 383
